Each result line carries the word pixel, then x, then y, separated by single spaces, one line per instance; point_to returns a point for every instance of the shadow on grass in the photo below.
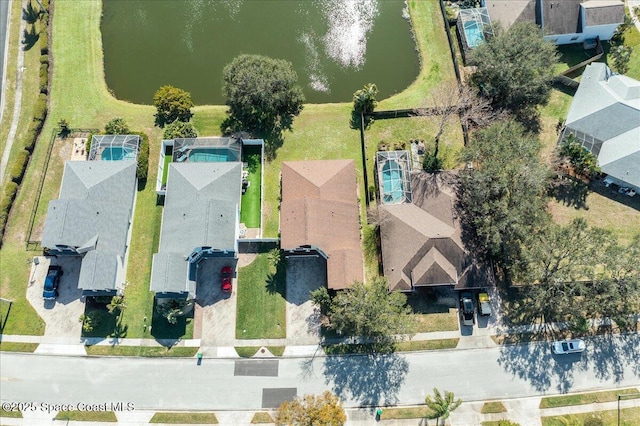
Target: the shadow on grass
pixel 571 192
pixel 161 329
pixel 369 379
pixel 29 38
pixel 277 282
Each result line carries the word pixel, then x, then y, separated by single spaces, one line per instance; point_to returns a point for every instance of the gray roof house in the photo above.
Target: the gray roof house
pixel 563 21
pixel 92 218
pixel 200 220
pixel 605 117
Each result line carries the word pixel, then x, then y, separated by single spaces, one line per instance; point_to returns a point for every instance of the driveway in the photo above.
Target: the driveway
pixel 216 310
pixel 60 315
pixel 304 274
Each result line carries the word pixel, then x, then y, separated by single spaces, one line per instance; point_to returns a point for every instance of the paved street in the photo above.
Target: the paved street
pixel 218 384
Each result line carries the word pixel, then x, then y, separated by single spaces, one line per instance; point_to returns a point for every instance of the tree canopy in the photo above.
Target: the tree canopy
pixel 370 311
pixel 172 104
pixel 364 102
pixel 441 406
pixel 502 194
pixel 180 129
pixel 262 93
pixel 515 68
pixel 310 410
pixel 116 126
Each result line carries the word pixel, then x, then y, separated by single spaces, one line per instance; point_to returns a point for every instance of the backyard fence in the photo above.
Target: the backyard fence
pixel 30 243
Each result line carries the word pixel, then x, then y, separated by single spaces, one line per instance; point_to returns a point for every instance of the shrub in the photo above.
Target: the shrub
pixel 40 110
pixel 143 156
pixel 172 309
pixel 30 138
pixel 64 128
pixel 117 126
pixel 44 59
pixel 19 166
pixel 44 78
pixel 180 129
pixel 6 201
pixel 44 42
pixel 431 163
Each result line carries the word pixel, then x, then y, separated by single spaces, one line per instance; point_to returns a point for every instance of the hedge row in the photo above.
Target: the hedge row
pixel 21 161
pixel 143 156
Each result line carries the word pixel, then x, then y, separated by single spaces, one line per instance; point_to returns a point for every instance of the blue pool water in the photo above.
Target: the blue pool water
pixel 392 183
pixel 117 154
pixel 208 155
pixel 473 33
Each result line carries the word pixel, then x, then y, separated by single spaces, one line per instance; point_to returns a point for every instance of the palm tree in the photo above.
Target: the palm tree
pixel 441 406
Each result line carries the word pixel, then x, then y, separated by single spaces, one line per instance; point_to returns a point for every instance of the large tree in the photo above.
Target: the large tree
pixel 441 406
pixel 515 68
pixel 172 104
pixel 180 129
pixel 310 410
pixel 364 102
pixel 502 192
pixel 371 312
pixel 262 93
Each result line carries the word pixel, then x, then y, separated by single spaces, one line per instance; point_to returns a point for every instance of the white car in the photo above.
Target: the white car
pixel 568 347
pixel 627 191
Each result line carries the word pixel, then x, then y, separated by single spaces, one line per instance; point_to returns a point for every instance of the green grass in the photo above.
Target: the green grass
pixel 261 306
pixel 405 413
pixel 144 351
pixel 18 347
pixel 185 418
pixel 165 168
pixel 492 423
pixel 437 322
pixel 427 345
pixel 261 417
pixel 16 414
pixel 584 398
pixel 628 417
pixel 249 351
pixel 250 208
pixel 493 407
pixel 632 39
pixel 87 416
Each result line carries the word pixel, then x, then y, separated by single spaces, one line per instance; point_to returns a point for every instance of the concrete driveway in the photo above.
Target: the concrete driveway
pixel 215 309
pixel 304 274
pixel 60 315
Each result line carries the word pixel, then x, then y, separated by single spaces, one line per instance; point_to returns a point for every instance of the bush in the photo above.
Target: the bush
pixel 44 42
pixel 87 145
pixel 6 201
pixel 180 129
pixel 30 138
pixel 143 156
pixel 117 126
pixel 44 59
pixel 44 78
pixel 19 166
pixel 431 163
pixel 40 110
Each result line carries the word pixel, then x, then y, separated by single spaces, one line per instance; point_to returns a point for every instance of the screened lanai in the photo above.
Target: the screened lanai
pixel 114 147
pixel 394 176
pixel 196 150
pixel 474 27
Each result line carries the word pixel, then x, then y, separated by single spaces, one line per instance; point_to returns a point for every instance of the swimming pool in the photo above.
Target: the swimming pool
pixel 393 190
pixel 473 33
pixel 117 153
pixel 208 155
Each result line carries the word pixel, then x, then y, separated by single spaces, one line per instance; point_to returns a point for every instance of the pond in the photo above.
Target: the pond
pixel 336 46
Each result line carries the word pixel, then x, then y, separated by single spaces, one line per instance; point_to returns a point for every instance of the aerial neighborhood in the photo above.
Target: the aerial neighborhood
pixel 356 214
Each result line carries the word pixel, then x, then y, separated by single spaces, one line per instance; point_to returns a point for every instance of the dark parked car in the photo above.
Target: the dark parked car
pixel 466 308
pixel 225 279
pixel 51 282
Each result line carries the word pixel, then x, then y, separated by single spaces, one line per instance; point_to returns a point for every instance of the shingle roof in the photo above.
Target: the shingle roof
pixel 320 208
pixel 561 16
pixel 200 209
pixel 94 209
pixel 508 12
pixel 607 107
pixel 421 243
pixel 601 12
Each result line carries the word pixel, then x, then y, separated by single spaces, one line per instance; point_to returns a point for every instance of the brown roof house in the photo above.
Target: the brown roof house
pixel 563 21
pixel 421 239
pixel 319 216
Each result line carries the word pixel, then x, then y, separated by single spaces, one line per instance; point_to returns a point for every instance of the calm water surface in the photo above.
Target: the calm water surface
pixel 336 46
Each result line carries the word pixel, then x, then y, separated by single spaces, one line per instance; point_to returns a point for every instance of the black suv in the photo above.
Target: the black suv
pixel 466 308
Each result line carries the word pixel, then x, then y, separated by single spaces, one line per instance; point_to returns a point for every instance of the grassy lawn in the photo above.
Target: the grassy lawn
pixel 261 290
pixel 185 418
pixel 261 417
pixel 18 347
pixel 17 414
pixel 632 39
pixel 165 167
pixel 436 322
pixel 584 398
pixel 404 413
pixel 427 345
pixel 628 417
pixel 87 416
pixel 249 351
pixel 250 208
pixel 493 407
pixel 145 351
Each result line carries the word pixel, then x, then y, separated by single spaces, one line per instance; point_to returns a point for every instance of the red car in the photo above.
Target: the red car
pixel 225 279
